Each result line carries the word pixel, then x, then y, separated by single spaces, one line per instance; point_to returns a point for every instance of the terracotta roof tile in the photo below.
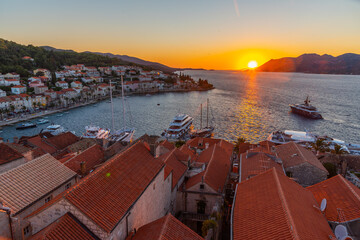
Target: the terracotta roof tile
pixel 8 154
pixel 165 228
pixel 292 154
pixel 343 198
pixel 167 145
pixel 174 165
pixel 186 150
pixel 18 147
pixel 37 141
pixel 68 227
pixel 216 171
pixel 253 164
pixel 25 184
pixel 92 157
pixel 81 145
pixel 272 206
pixel 63 140
pixel 200 143
pixel 106 194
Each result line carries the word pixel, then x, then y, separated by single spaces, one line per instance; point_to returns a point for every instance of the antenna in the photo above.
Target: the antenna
pixel 323 205
pixel 341 232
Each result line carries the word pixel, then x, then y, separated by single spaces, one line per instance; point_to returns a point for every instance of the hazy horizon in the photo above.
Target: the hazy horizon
pixel 222 35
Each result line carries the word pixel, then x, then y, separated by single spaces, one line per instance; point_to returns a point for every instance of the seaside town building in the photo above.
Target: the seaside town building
pixel 62 84
pixel 343 203
pixel 272 206
pixel 109 207
pixel 301 164
pixel 18 89
pixel 9 158
pixel 28 187
pixel 12 76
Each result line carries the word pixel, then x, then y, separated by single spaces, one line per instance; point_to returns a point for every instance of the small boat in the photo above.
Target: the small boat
pixel 42 121
pixel 306 110
pixel 25 125
pixel 66 112
pixel 158 104
pixel 54 129
pixel 148 95
pixel 59 115
pixel 206 132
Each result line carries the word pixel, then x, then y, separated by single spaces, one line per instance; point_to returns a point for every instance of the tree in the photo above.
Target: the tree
pixel 238 142
pixel 331 168
pixel 320 145
pixel 338 150
pixel 207 225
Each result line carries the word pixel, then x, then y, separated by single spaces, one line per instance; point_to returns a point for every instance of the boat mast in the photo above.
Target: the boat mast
pixel 123 100
pixel 207 113
pixel 201 116
pixel 112 108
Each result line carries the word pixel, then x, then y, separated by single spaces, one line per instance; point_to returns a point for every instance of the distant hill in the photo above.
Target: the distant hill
pixel 348 63
pixel 11 55
pixel 139 61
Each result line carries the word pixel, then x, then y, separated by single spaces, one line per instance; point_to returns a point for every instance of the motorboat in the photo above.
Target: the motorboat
pixel 92 131
pixel 42 121
pixel 54 129
pixel 25 126
pixel 306 110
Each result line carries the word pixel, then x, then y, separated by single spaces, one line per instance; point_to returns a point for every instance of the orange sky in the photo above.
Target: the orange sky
pixel 197 34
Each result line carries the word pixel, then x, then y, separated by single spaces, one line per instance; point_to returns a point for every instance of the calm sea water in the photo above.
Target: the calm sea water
pixel 247 105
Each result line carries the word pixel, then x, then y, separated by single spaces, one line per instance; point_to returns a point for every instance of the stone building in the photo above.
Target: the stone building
pixel 272 206
pixel 28 187
pixel 301 164
pixel 9 158
pixel 125 193
pixel 204 192
pixel 343 203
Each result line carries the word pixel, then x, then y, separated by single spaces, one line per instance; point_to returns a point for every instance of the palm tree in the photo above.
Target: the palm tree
pixel 319 145
pixel 239 141
pixel 338 150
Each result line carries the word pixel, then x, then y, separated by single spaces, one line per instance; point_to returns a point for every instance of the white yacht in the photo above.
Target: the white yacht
pixel 304 138
pixel 95 132
pixel 179 128
pixel 54 129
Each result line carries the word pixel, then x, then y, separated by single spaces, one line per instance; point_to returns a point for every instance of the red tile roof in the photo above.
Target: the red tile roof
pixel 63 140
pixel 343 198
pixel 200 143
pixel 272 206
pixel 40 143
pixel 174 165
pixel 253 164
pixel 292 155
pixel 92 157
pixel 67 227
pixel 186 150
pixel 167 145
pixel 8 154
pixel 165 228
pixel 106 195
pixel 216 171
pixel 18 86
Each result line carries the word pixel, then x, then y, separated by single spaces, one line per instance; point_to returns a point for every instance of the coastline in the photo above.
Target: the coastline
pixel 49 112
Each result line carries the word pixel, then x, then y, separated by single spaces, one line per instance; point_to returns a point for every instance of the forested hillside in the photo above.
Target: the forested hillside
pixel 11 55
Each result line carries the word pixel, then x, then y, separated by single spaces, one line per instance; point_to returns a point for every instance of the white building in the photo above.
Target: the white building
pixel 2 93
pixel 62 84
pixel 11 82
pixel 18 89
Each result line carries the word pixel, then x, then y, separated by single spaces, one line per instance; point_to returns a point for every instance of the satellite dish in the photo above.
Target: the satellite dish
pixel 323 205
pixel 341 232
pixel 347 238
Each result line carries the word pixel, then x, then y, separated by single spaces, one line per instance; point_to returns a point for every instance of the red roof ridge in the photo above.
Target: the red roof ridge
pixel 349 187
pixel 212 155
pixel 163 228
pixel 286 209
pixel 96 171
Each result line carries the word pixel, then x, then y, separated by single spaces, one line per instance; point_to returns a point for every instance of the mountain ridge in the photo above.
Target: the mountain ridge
pixel 347 63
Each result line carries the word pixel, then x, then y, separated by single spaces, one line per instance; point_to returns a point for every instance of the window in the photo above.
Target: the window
pixel 202 186
pixel 154 186
pixel 26 230
pixel 67 186
pixel 48 199
pixel 289 174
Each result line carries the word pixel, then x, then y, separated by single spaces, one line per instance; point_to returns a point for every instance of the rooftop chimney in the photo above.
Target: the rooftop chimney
pixel 83 168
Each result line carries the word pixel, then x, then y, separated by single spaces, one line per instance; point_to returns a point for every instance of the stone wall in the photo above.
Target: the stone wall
pixel 306 174
pixel 5 233
pixel 153 204
pixel 10 165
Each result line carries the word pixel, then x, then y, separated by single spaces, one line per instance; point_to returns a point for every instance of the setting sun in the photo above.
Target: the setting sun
pixel 252 64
